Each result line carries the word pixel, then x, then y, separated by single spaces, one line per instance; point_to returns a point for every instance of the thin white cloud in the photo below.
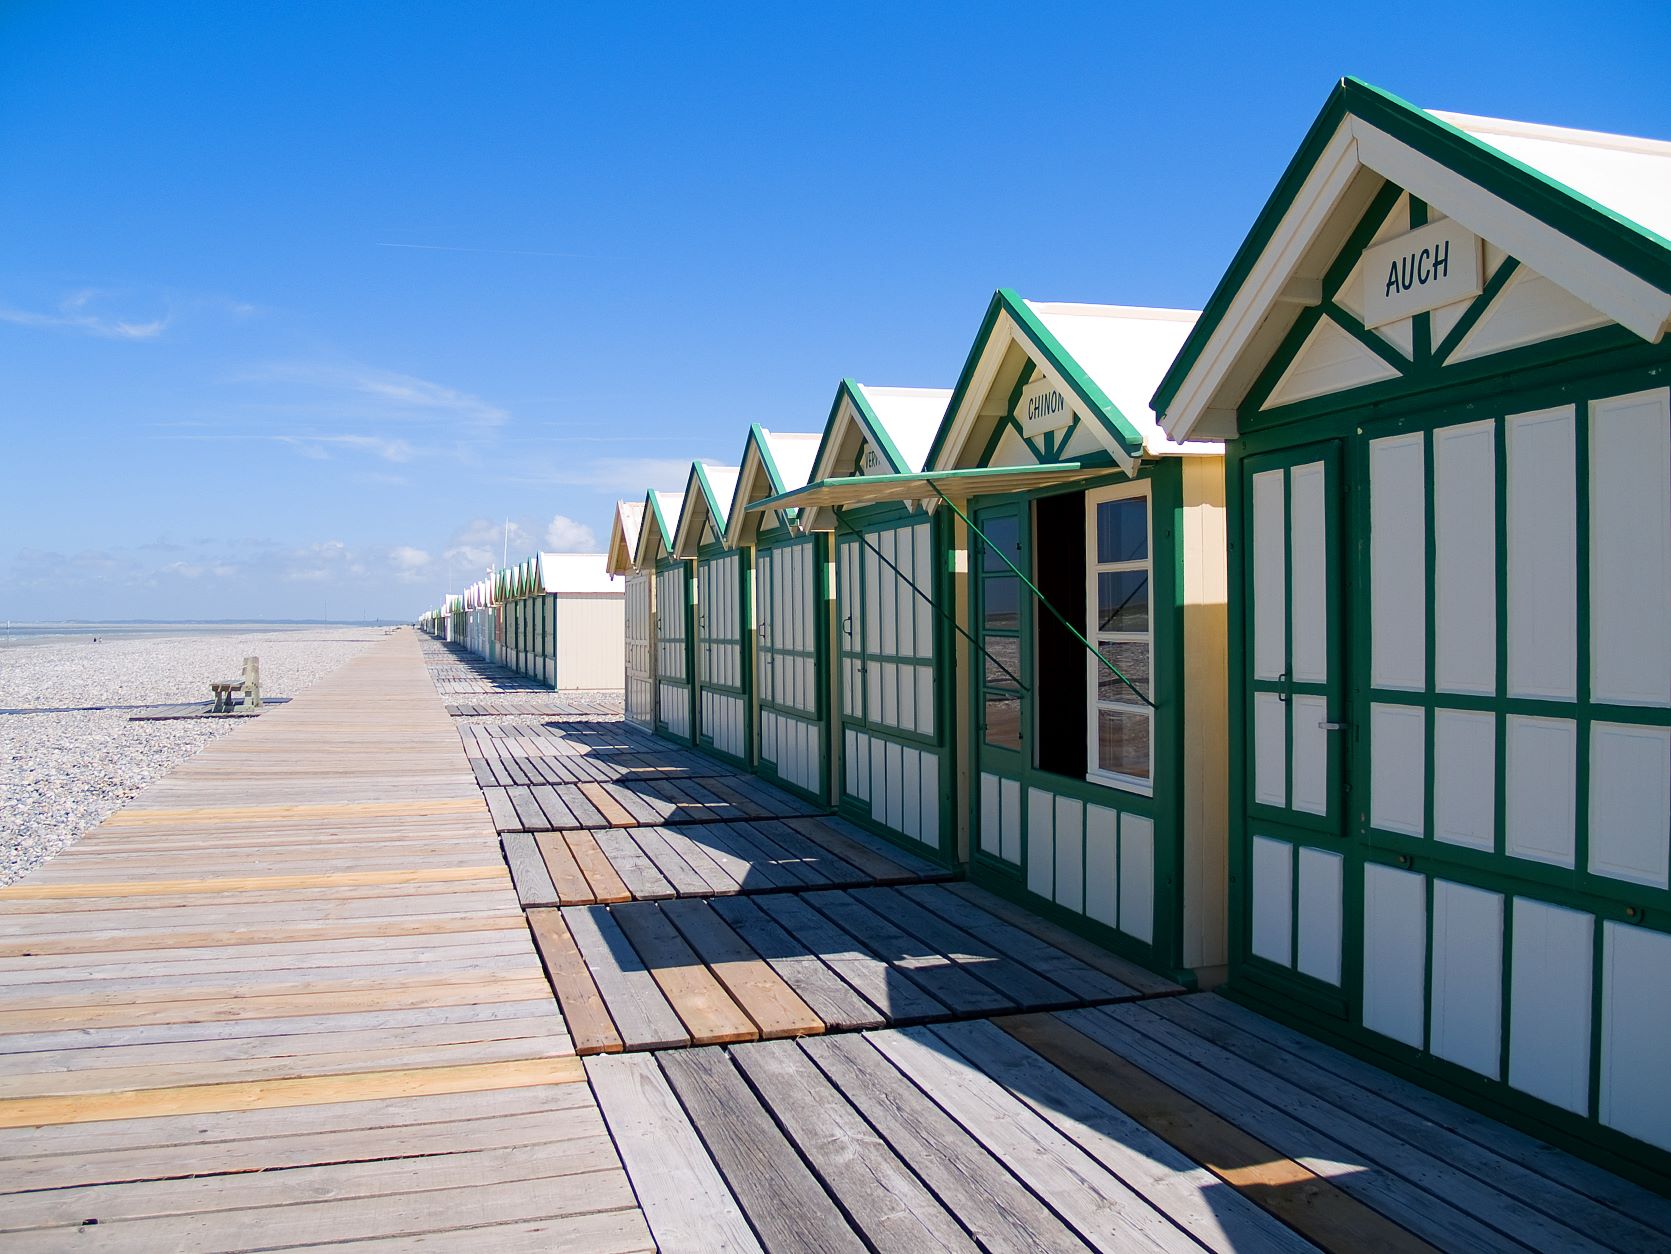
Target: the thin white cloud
pixel 392 395
pixel 630 476
pixel 316 446
pixel 78 312
pixel 565 535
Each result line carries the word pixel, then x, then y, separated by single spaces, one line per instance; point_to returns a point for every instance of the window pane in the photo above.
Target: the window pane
pixel 1002 651
pixel 1122 530
pixel 1123 600
pixel 1003 721
pixel 1132 661
pixel 1123 743
pixel 1003 533
pixel 1001 602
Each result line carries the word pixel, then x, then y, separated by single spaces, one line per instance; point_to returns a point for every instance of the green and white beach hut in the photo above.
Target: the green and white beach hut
pixel 723 651
pixel 640 672
pixel 560 620
pixel 671 620
pixel 791 612
pixel 1440 363
pixel 889 653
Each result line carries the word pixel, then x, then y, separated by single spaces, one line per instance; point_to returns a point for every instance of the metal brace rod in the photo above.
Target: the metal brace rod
pixel 932 604
pixel 1042 599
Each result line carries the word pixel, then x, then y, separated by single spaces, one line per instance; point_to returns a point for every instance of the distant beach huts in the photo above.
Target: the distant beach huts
pixel 1315 642
pixel 556 617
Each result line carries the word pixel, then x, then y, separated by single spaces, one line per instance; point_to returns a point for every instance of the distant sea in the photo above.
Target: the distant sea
pixel 15 634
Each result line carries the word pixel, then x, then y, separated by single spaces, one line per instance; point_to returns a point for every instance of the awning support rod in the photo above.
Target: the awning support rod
pixel 932 604
pixel 1042 599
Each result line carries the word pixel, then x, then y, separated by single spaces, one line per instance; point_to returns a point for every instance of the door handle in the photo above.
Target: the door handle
pixel 1327 726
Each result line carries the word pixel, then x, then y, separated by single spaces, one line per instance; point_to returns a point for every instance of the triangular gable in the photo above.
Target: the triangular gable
pixel 623 537
pixel 876 431
pixel 1044 381
pixel 773 462
pixel 708 494
pixel 661 517
pixel 573 573
pixel 1582 210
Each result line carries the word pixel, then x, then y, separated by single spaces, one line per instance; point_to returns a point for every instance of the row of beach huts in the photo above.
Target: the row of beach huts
pixel 1319 642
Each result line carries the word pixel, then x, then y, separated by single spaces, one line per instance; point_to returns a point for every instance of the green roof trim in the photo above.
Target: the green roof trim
pixel 716 512
pixel 1625 242
pixel 652 499
pixel 872 426
pixel 1062 364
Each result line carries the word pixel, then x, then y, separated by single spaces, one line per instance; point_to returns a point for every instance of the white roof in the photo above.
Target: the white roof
pixel 1630 176
pixel 910 417
pixel 793 452
pixel 631 514
pixel 576 572
pixel 1125 350
pixel 723 480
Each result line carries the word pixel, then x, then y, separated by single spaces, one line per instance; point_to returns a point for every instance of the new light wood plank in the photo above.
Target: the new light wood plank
pixel 775 1008
pixel 699 1000
pixel 567 878
pixel 636 1003
pixel 607 885
pixel 830 998
pixel 589 1024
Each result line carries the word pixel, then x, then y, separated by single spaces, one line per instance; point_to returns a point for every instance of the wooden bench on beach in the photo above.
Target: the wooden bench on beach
pixel 226 691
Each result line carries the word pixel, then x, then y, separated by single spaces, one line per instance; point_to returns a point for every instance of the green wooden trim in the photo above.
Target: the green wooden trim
pixel 1476 310
pixel 1621 240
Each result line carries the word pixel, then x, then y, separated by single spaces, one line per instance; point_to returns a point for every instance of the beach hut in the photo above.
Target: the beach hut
pixel 672 620
pixel 479 619
pixel 640 677
pixel 1090 703
pixel 888 652
pixel 723 645
pixel 791 611
pixel 1439 361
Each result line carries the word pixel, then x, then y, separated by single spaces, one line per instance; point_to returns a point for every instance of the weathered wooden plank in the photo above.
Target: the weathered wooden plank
pixel 613 812
pixel 641 1013
pixel 821 865
pixel 528 871
pixel 640 875
pixel 729 846
pixel 697 997
pixel 679 874
pixel 500 807
pixel 774 1007
pixel 585 813
pixel 557 815
pixel 1055 964
pixel 573 889
pixel 589 1023
pixel 968 1181
pixel 1298 1196
pixel 885 1201
pixel 602 1232
pixel 699 859
pixel 830 997
pixel 927 966
pixel 1094 1201
pixel 685 1200
pixel 981 956
pixel 784 1201
pixel 890 989
pixel 530 817
pixel 606 885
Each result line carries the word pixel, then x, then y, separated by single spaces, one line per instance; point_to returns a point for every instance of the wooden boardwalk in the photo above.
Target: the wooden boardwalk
pixel 287 997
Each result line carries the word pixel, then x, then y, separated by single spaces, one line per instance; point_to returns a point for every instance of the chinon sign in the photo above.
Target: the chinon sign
pixel 1042 408
pixel 1426 269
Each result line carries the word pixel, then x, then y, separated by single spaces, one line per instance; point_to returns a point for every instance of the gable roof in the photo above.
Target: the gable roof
pixel 1588 211
pixel 1106 359
pixel 623 537
pixel 899 423
pixel 661 512
pixel 773 462
pixel 708 494
pixel 574 573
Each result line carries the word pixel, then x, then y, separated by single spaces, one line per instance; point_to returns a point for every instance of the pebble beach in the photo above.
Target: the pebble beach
pixel 70 754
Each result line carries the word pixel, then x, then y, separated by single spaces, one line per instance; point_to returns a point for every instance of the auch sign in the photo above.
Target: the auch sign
pixel 1042 408
pixel 1430 267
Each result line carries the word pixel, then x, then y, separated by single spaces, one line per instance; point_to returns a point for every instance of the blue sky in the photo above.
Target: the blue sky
pixel 300 302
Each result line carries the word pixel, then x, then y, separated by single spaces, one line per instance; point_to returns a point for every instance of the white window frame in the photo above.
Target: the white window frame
pixel 1093 668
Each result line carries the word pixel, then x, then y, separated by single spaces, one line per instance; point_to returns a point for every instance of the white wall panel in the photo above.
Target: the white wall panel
pixel 1542 514
pixel 1630 548
pixel 1310 783
pixel 1398 768
pixel 1009 797
pixel 1320 886
pixel 911 794
pixel 1102 877
pixel 1270 565
pixel 1070 854
pixel 1394 953
pixel 1630 803
pixel 928 771
pixel 991 818
pixel 1272 929
pixel 1270 749
pixel 1539 775
pixel 1635 1026
pixel 1549 1004
pixel 1041 841
pixel 1465 778
pixel 1137 877
pixel 1465 542
pixel 1467 977
pixel 1309 580
pixel 1398 562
